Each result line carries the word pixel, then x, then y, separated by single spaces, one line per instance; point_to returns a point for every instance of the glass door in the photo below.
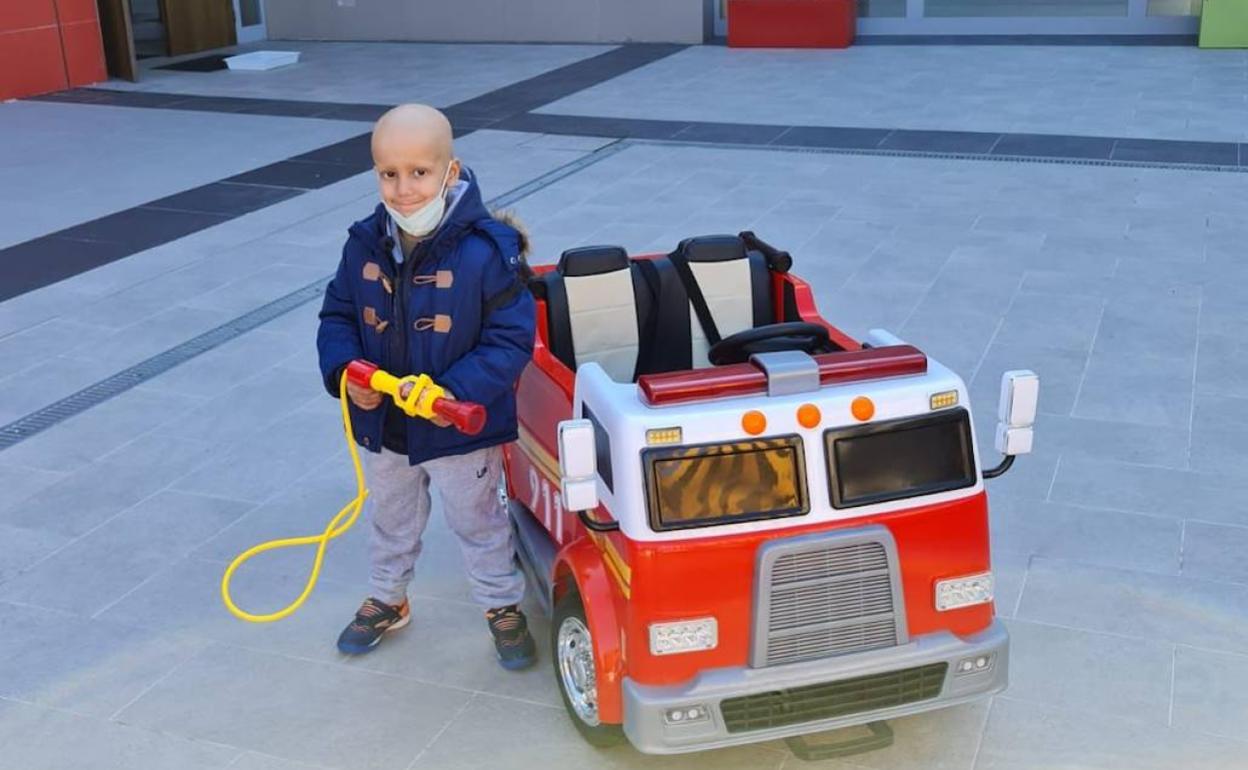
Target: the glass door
pixel 249 21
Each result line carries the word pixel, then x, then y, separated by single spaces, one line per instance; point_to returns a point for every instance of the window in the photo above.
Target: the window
pixel 698 486
pixel 899 459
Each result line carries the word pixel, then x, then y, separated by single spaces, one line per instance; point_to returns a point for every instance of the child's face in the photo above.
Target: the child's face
pixel 411 169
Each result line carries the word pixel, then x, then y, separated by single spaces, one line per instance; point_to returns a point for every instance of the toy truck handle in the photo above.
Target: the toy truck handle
pixel 466 416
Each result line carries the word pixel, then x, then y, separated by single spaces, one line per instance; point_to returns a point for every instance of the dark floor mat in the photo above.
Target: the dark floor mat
pixel 201 64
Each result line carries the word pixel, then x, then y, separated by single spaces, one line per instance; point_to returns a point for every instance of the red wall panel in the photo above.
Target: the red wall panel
pixel 31 62
pixel 71 11
pixel 48 45
pixel 25 14
pixel 84 53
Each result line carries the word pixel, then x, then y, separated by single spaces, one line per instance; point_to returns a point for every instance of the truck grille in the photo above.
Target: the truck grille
pixel 816 702
pixel 823 597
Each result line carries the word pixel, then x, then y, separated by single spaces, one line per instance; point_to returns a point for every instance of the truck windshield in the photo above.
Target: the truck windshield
pixel 698 486
pixel 900 458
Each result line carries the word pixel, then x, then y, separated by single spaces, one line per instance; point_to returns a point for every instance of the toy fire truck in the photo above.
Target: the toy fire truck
pixel 745 524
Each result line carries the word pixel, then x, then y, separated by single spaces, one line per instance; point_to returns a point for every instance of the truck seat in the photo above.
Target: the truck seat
pixel 635 317
pixel 596 306
pixel 736 283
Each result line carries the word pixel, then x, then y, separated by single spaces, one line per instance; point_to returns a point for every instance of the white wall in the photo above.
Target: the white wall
pixel 555 21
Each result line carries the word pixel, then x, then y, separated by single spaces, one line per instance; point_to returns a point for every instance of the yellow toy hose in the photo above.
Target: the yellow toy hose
pixel 333 530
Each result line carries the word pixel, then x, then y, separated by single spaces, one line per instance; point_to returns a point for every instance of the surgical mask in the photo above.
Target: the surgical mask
pixel 423 220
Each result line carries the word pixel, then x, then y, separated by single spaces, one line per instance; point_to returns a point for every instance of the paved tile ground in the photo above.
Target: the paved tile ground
pixel 1158 93
pixel 1118 545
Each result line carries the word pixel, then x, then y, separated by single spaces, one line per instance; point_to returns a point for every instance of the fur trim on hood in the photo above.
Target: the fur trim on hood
pixel 512 220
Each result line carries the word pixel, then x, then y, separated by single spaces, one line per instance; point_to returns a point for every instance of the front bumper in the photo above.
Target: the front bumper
pixel 646 706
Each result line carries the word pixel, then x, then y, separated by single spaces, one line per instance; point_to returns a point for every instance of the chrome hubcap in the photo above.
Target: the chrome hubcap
pixel 576 669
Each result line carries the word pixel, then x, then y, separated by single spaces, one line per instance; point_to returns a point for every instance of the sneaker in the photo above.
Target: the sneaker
pixel 372 619
pixel 512 640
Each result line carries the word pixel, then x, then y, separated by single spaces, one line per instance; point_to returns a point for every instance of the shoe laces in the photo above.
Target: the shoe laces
pixel 506 620
pixel 371 611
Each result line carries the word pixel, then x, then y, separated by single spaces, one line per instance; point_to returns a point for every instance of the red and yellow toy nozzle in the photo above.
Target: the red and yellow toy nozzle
pixel 424 398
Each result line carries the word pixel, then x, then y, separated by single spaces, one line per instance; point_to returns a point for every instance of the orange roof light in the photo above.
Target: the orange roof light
pixel 808 415
pixel 862 408
pixel 753 422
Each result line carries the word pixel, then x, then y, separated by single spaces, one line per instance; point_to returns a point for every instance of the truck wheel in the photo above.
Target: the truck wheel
pixel 572 654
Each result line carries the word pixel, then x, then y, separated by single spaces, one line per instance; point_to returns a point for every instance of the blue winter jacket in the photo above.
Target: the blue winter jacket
pixel 371 312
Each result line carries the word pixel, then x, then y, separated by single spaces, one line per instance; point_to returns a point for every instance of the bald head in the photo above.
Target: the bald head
pixel 414 124
pixel 414 156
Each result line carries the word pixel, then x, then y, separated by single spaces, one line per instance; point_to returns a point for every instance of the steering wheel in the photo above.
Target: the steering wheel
pixel 794 335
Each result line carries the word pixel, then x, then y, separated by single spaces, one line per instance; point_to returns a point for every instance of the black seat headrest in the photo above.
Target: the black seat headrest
pixel 712 248
pixel 592 260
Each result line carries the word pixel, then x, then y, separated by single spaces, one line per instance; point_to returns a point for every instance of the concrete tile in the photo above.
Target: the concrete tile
pixel 151 336
pixel 251 402
pixel 244 295
pixel 101 490
pixel 1158 324
pixel 1026 736
pixel 31 346
pixel 252 470
pixel 24 547
pixel 1218 428
pixel 1222 366
pixel 551 740
pixel 1169 609
pixel 104 565
pixel 1179 494
pixel 19 482
pixel 1105 440
pixel 228 694
pixel 1209 692
pixel 253 761
pixel 98 431
pixel 220 370
pixel 1051 321
pixel 1090 672
pixel 1090 536
pixel 85 666
pixel 37 738
pixel 1215 552
pixel 1139 389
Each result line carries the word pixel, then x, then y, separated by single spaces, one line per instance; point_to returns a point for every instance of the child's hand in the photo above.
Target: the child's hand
pixel 438 421
pixel 406 391
pixel 365 398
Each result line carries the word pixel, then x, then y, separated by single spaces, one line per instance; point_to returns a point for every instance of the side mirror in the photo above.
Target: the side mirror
pixel 1020 391
pixel 578 465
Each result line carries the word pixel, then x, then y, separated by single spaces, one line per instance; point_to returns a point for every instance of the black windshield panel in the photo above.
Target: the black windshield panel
pixel 900 459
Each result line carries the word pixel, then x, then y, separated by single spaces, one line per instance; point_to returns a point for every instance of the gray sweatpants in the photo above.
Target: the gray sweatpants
pixel 468 485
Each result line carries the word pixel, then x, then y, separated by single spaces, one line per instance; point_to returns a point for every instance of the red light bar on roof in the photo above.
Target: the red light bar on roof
pixel 747 379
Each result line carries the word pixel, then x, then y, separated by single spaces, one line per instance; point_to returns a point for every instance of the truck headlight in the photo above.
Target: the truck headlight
pixel 964 591
pixel 683 636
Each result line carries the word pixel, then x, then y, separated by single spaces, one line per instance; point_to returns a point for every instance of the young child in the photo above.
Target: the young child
pixel 432 283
